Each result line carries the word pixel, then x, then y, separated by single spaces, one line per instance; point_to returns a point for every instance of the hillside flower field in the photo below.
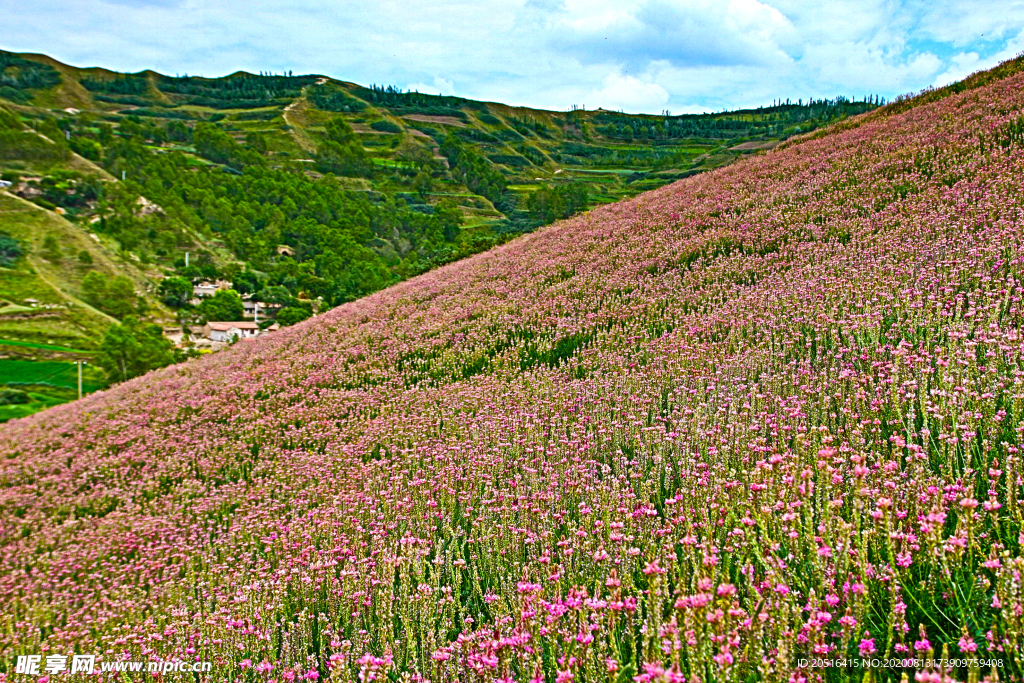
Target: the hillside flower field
pixel 766 416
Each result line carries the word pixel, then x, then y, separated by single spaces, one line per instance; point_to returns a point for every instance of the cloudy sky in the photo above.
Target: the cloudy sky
pixel 635 55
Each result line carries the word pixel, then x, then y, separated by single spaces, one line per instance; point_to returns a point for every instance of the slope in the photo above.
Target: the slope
pixel 760 417
pixel 62 317
pixel 306 188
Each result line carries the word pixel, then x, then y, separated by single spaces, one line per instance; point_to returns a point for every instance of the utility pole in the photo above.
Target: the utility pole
pixel 79 363
pixel 186 259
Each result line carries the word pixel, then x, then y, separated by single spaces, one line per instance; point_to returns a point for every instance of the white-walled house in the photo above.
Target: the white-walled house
pixel 209 288
pixel 264 309
pixel 224 331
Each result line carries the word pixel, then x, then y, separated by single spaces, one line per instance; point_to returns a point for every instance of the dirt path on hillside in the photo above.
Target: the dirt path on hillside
pixel 296 110
pixel 29 206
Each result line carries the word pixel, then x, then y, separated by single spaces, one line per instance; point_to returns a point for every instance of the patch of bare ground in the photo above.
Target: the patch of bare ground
pixel 443 120
pixel 754 145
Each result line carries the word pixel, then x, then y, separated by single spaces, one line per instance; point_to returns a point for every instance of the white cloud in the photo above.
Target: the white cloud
pixel 649 55
pixel 628 93
pixel 438 86
pixel 963 64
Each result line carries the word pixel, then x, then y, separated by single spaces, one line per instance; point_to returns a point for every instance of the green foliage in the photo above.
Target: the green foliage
pixel 341 153
pixel 238 91
pixel 68 189
pixel 15 95
pixel 27 146
pixel 90 149
pixel 561 201
pixel 133 348
pixel 51 249
pixel 118 84
pixel 10 396
pixel 178 131
pixel 94 288
pixel 85 258
pixel 175 291
pixel 9 121
pixel 329 97
pixel 291 315
pixel 118 298
pixel 450 217
pixel 385 126
pixel 22 74
pixel 121 299
pixel 348 159
pixel 10 249
pixel 760 122
pixel 246 282
pixel 224 306
pixel 417 103
pixel 473 170
pixel 257 142
pixel 216 145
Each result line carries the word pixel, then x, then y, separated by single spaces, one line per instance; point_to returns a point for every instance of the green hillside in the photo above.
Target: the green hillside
pixel 300 190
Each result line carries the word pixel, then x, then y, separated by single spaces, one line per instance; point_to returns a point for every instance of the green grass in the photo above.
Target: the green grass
pixel 622 171
pixel 53 373
pixel 47 383
pixel 44 347
pixel 70 324
pixel 41 397
pixel 21 282
pixel 24 409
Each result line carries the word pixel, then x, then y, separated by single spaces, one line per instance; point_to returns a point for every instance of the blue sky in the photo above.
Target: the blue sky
pixel 635 55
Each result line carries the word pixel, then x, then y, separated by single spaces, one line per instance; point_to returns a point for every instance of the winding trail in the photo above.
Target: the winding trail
pixel 298 107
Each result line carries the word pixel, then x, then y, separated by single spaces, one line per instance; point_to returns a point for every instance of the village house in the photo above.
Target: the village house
pixel 209 288
pixel 225 331
pixel 262 308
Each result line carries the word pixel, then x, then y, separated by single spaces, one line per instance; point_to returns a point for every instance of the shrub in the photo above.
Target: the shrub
pixel 386 126
pixel 10 397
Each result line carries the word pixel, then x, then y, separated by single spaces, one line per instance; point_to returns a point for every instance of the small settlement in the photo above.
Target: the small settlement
pixel 215 333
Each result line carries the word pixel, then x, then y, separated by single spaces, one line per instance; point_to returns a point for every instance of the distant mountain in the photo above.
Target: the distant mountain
pixel 302 190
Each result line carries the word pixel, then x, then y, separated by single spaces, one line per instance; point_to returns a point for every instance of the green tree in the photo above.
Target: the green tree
pixel 94 289
pixel 51 249
pixel 10 249
pixel 341 153
pixel 423 183
pixel 339 131
pixel 85 258
pixel 121 299
pixel 178 131
pixel 224 305
pixel 175 291
pixel 246 282
pixel 256 142
pixel 132 348
pixel 450 215
pixel 291 315
pixel 9 396
pixel 216 145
